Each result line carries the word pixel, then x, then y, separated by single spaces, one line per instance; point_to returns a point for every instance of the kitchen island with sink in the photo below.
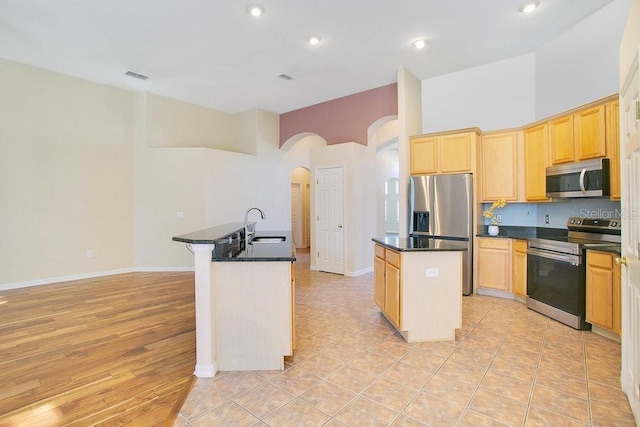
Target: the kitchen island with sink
pixel 418 286
pixel 244 298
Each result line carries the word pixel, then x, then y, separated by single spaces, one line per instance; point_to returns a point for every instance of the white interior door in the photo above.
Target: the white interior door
pixel 330 219
pixel 630 203
pixel 296 214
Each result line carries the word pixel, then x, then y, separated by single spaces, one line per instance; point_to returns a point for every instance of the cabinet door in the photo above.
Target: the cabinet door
pixel 535 151
pixel 378 281
pixel 589 133
pixel 499 162
pixel 424 155
pixel 613 146
pixel 455 153
pixel 600 289
pixel 520 267
pixel 494 264
pixel 392 294
pixel 561 146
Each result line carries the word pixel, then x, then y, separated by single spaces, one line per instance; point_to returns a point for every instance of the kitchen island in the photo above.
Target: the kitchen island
pixel 244 299
pixel 418 286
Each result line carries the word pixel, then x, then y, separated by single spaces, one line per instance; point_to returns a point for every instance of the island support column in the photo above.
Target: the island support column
pixel 205 328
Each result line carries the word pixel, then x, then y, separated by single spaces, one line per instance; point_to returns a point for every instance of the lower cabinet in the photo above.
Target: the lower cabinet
pixel 603 291
pixel 387 283
pixel 519 265
pixel 494 263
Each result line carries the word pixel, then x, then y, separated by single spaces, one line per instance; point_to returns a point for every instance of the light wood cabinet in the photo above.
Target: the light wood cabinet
pixel 579 136
pixel 387 288
pixel 561 147
pixel 589 132
pixel 502 166
pixel 494 263
pixel 536 162
pixel 519 263
pixel 612 110
pixel 603 291
pixel 378 277
pixel 451 152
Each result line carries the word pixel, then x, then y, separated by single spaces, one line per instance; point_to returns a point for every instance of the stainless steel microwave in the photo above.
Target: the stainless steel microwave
pixel 581 179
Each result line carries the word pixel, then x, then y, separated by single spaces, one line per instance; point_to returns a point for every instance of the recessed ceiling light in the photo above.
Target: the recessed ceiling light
pixel 313 40
pixel 419 44
pixel 530 7
pixel 256 10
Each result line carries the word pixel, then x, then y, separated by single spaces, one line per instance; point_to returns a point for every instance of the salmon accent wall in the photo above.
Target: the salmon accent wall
pixel 343 119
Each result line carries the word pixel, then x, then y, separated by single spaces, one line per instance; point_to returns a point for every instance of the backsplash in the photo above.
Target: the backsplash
pixel 533 214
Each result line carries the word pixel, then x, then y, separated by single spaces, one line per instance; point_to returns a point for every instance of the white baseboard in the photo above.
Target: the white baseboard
pixel 52 280
pixel 359 272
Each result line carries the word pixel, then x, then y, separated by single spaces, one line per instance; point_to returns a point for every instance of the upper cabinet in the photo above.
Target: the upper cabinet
pixel 443 153
pixel 589 131
pixel 561 147
pixel 612 110
pixel 536 162
pixel 502 166
pixel 578 136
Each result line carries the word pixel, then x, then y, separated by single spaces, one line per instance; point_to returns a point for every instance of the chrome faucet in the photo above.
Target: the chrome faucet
pixel 250 229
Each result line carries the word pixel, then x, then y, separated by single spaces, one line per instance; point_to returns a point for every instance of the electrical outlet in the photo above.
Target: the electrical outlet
pixel 499 218
pixel 89 253
pixel 546 219
pixel 432 272
pixel 180 215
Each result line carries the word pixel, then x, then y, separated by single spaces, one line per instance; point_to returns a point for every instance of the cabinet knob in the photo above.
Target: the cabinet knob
pixel 621 261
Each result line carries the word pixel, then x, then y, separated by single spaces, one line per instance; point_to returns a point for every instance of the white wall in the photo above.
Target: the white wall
pixel 498 95
pixel 78 173
pixel 66 176
pixel 581 65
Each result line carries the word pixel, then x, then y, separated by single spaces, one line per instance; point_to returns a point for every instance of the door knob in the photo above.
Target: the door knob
pixel 621 261
pixel 339 225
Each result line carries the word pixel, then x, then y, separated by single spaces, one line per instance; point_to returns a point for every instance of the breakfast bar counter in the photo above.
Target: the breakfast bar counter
pixel 244 298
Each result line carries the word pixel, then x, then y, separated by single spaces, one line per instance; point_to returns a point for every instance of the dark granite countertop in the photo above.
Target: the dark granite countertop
pixel 405 244
pixel 210 236
pixel 262 252
pixel 229 244
pixel 519 232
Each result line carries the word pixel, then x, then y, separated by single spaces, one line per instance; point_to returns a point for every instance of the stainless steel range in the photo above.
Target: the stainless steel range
pixel 556 268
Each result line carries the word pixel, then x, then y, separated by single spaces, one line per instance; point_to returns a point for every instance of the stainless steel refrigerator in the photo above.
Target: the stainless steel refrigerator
pixel 441 207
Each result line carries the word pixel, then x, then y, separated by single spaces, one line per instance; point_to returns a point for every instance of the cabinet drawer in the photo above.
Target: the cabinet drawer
pixel 490 243
pixel 378 251
pixel 393 257
pixel 600 259
pixel 520 246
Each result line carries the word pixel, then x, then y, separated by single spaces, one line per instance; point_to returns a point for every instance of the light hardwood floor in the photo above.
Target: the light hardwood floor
pixel 105 351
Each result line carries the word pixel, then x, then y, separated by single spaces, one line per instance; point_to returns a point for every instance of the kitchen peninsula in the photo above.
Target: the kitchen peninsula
pixel 244 298
pixel 418 286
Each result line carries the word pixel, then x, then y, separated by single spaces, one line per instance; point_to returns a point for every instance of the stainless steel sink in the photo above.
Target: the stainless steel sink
pixel 268 239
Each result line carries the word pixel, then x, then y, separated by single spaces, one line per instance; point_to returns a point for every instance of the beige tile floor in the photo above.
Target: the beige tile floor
pixel 508 366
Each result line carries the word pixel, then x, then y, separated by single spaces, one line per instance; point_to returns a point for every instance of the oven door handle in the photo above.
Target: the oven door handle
pixel 571 259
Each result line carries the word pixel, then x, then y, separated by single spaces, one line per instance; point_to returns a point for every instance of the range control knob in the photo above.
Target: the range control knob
pixel 614 224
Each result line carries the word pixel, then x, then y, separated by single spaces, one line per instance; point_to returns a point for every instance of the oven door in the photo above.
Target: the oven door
pixel 558 282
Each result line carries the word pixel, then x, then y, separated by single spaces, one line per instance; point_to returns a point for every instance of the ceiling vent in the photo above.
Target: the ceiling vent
pixel 136 75
pixel 285 77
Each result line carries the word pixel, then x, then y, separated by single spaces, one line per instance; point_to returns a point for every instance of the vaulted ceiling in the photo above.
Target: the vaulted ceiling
pixel 214 53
